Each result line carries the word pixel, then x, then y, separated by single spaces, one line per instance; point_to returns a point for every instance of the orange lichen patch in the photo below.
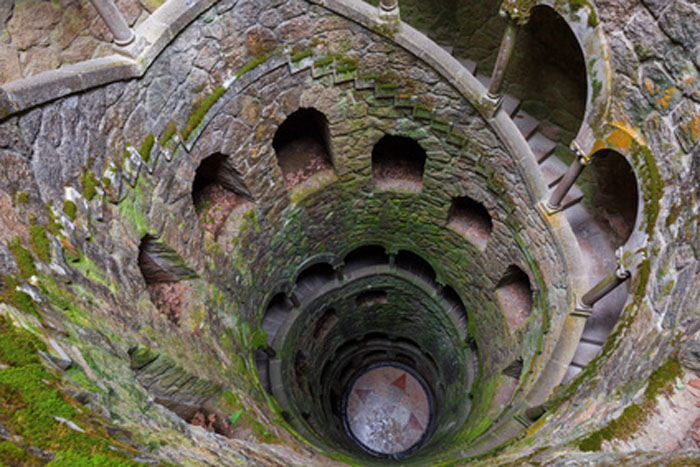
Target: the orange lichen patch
pixel 666 99
pixel 649 84
pixel 599 144
pixel 619 139
pixel 622 131
pixel 692 128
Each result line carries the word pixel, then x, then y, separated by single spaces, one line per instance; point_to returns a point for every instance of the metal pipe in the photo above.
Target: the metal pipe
pixel 115 21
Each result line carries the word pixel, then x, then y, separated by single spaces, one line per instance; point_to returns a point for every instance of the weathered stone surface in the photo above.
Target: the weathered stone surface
pixel 656 6
pixel 260 41
pixel 679 21
pixel 646 37
pixel 9 64
pixel 32 22
pixel 688 125
pixel 660 89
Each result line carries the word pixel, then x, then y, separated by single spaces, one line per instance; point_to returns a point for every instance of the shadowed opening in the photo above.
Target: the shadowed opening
pixel 398 163
pixel 302 145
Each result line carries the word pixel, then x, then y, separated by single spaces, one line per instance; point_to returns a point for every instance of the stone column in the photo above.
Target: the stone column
pixel 504 53
pixel 582 160
pixel 609 283
pixel 115 21
pixel 389 11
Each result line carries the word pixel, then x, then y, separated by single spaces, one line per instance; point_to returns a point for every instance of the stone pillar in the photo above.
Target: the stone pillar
pixel 504 53
pixel 115 21
pixel 609 283
pixel 554 203
pixel 389 11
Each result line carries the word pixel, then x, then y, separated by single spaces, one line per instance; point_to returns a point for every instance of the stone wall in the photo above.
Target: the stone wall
pixel 39 35
pixel 86 177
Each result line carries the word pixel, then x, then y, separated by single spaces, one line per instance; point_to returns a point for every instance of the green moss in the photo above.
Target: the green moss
pixel 20 300
pixel 232 404
pixel 89 181
pixel 147 147
pixel 91 271
pixel 652 186
pixel 635 415
pixel 301 55
pixel 30 401
pixel 597 87
pixel 662 378
pixel 673 214
pixel 23 258
pixel 168 133
pixel 39 241
pixel 201 110
pixel 21 198
pixel 253 63
pixel 70 209
pixel 18 348
pixel 52 226
pixel 14 455
pixel 592 16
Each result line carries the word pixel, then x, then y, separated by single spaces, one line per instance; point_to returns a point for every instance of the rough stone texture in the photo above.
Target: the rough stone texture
pixel 43 35
pixel 104 309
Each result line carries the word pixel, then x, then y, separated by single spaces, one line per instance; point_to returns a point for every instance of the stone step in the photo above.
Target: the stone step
pixel 484 79
pixel 447 48
pixel 468 64
pixel 552 170
pixel 584 354
pixel 510 104
pixel 526 123
pixel 571 199
pixel 542 147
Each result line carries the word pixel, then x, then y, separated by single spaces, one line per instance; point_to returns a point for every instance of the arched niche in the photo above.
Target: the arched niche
pixel 313 277
pixel 411 262
pixel 611 194
pixel 302 146
pixel 398 163
pixel 165 274
pixel 471 219
pixel 275 315
pixel 514 296
pixel 217 190
pixel 547 74
pixel 364 256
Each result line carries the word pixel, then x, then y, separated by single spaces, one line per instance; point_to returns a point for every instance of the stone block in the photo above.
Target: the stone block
pixel 680 22
pixel 659 89
pixel 688 121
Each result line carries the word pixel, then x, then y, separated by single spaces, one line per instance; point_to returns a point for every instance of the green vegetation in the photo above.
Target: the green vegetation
pixel 635 415
pixel 70 209
pixel 89 181
pixel 301 55
pixel 254 63
pixel 168 133
pixel 33 407
pixel 21 300
pixel 21 198
pixel 201 110
pixel 147 147
pixel 242 416
pixel 39 241
pixel 23 258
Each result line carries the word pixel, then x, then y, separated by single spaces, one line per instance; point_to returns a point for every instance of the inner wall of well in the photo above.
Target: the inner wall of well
pixel 407 320
pixel 339 208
